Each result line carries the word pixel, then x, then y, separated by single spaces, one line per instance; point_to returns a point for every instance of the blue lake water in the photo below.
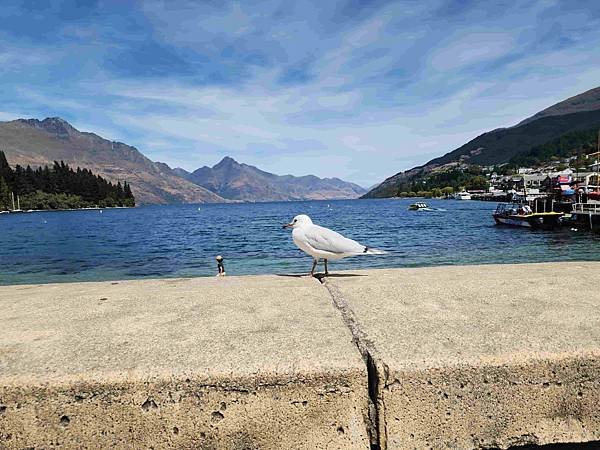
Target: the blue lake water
pixel 183 240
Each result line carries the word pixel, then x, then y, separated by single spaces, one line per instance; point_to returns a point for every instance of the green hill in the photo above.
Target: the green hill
pixel 576 143
pixel 499 146
pixel 551 130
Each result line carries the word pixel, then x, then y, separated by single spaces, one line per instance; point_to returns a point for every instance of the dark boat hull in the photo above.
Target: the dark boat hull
pixel 540 222
pixel 586 221
pixel 511 222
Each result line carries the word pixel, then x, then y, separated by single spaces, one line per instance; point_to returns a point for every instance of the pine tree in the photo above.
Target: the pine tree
pixel 127 189
pixel 120 192
pixel 4 195
pixel 5 170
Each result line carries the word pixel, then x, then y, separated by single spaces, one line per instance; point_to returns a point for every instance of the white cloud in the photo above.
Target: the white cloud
pixel 471 49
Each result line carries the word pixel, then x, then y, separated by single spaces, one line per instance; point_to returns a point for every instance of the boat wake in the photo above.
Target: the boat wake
pixel 433 209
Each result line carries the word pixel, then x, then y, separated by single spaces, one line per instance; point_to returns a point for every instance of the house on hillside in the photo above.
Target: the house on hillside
pixel 586 180
pixel 533 180
pixel 534 183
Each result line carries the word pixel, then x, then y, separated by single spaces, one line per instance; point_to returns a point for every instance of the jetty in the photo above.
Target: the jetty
pixel 471 357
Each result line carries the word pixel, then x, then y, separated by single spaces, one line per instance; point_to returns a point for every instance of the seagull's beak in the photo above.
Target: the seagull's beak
pixel 288 225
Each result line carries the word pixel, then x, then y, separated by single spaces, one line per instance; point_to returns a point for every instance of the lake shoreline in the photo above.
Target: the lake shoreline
pixel 27 211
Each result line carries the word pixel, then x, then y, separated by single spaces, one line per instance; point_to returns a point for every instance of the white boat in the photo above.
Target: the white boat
pixel 417 206
pixel 464 195
pixel 18 208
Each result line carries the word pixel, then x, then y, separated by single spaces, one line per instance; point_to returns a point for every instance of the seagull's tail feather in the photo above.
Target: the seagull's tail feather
pixel 374 251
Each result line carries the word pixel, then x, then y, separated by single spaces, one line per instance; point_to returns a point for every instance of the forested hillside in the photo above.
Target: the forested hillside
pixel 59 187
pixel 576 143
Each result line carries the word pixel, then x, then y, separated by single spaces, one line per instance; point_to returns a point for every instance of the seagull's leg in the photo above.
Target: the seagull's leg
pixel 326 271
pixel 312 271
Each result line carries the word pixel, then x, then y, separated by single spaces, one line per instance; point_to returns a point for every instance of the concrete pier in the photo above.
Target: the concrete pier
pixel 232 362
pixel 447 357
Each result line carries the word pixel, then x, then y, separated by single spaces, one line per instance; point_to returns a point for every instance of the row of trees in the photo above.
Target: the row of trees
pixel 433 193
pixel 470 178
pixel 59 187
pixel 440 184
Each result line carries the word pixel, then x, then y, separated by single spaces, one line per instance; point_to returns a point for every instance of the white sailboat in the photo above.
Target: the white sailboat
pixel 18 208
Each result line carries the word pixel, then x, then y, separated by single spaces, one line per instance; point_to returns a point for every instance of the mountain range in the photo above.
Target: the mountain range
pixel 41 142
pixel 235 181
pixel 578 113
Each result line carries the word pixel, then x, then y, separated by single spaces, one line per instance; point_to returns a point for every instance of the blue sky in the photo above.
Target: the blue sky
pixel 354 89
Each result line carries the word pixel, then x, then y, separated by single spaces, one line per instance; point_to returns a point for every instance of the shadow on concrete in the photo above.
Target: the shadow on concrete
pixel 292 275
pixel 320 276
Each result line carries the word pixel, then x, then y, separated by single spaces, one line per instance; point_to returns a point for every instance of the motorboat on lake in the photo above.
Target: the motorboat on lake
pixel 521 215
pixel 417 206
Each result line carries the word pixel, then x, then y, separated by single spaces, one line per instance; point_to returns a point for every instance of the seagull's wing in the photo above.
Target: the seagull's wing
pixel 327 240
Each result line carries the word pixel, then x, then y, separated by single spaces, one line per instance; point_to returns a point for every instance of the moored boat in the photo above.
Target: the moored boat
pixel 521 215
pixel 18 208
pixel 587 215
pixel 464 195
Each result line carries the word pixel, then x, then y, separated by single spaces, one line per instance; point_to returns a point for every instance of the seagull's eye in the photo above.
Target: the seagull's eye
pixel 295 220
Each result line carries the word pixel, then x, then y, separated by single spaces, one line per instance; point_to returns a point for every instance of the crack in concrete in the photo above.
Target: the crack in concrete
pixel 376 370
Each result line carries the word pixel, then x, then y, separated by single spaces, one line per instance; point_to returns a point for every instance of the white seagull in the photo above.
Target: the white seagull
pixel 323 243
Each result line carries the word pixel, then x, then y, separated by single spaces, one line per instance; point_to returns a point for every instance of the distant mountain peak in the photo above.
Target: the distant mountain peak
pixel 227 161
pixel 56 121
pixel 57 126
pixel 238 181
pixel 53 125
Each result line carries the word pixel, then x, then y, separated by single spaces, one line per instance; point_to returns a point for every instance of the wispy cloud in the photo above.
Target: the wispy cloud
pixel 462 53
pixel 358 90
